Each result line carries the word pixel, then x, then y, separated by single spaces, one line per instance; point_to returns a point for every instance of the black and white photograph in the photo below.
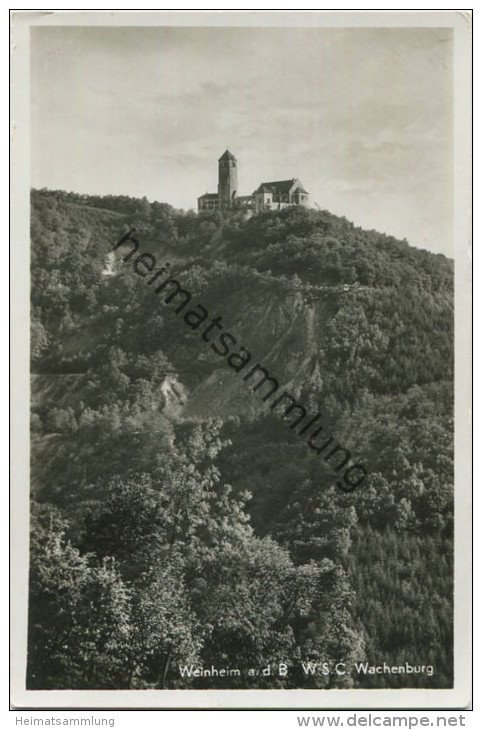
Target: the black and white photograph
pixel 245 245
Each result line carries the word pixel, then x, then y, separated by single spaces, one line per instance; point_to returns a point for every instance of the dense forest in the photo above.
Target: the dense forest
pixel 175 521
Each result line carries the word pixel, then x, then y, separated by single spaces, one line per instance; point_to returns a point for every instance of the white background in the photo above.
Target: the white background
pixel 235 719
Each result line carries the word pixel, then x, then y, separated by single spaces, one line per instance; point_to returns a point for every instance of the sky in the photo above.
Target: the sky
pixel 363 117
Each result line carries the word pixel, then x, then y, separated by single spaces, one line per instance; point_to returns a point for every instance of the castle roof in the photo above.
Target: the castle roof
pixel 281 186
pixel 209 196
pixel 227 156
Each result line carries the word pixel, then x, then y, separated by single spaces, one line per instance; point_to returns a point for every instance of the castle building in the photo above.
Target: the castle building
pixel 279 194
pixel 274 195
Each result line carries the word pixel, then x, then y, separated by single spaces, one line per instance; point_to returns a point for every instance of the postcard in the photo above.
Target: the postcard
pixel 241 366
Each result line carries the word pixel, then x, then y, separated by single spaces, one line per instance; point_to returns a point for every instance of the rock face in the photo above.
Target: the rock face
pixel 174 394
pixel 283 334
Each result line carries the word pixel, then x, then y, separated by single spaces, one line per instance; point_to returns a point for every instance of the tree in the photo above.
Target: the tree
pixel 79 619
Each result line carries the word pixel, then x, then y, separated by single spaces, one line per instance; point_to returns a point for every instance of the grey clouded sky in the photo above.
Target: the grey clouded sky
pixel 362 116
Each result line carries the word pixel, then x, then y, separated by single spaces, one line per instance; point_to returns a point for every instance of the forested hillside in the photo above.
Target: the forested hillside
pixel 176 520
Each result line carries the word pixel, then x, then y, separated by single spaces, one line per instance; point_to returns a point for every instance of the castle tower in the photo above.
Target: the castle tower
pixel 228 180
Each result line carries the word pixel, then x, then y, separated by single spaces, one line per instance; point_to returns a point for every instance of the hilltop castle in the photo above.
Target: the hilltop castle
pixel 268 196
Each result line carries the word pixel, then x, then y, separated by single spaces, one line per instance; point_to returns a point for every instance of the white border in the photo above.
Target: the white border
pixel 459 696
